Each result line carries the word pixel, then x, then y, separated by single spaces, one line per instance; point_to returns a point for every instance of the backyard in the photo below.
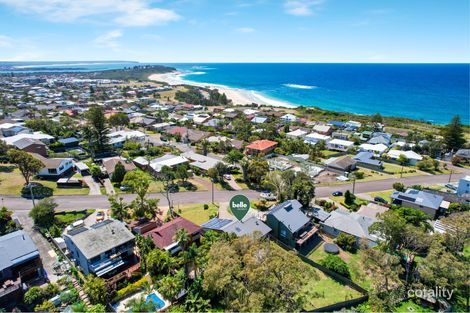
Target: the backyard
pixel 354 261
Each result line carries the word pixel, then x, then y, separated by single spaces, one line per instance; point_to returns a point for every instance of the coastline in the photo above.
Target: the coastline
pixel 237 95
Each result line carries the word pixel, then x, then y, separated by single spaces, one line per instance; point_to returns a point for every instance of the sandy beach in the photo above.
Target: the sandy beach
pixel 238 96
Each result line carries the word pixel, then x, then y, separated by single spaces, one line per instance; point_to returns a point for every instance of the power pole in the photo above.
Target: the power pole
pixel 450 175
pixel 212 191
pixel 32 194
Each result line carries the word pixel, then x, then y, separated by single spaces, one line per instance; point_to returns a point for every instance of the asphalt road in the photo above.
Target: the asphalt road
pixel 101 201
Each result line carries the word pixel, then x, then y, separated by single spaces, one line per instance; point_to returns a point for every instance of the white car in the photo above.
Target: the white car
pixel 268 196
pixel 227 176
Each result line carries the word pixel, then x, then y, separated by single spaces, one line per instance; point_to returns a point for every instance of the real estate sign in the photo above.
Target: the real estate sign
pixel 239 205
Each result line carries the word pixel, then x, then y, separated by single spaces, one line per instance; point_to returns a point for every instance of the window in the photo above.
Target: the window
pixel 283 233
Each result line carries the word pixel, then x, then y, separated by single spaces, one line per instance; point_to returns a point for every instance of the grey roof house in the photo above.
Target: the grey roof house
pixel 104 249
pixel 354 224
pixel 366 159
pixel 431 204
pixel 290 225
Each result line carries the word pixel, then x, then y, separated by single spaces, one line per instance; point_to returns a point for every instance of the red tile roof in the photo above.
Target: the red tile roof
pixel 178 130
pixel 261 145
pixel 164 235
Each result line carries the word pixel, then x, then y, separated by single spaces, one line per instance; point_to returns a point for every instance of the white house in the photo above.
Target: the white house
pixel 412 156
pixel 340 145
pixel 117 138
pixel 298 133
pixel 54 167
pixel 289 118
pixel 44 138
pixel 464 186
pixel 375 149
pixel 314 138
pixel 169 160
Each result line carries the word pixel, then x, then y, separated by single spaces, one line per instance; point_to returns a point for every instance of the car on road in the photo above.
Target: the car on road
pixel 269 196
pixel 124 188
pixel 380 200
pixel 100 216
pixel 451 186
pixel 227 176
pixel 337 194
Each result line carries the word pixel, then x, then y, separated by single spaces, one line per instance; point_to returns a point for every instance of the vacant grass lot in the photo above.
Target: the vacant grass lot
pixel 70 217
pixel 196 213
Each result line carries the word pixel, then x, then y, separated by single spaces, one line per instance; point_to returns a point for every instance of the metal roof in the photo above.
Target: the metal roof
pixel 15 248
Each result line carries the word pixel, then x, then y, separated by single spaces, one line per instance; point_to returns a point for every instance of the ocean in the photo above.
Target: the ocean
pixel 428 92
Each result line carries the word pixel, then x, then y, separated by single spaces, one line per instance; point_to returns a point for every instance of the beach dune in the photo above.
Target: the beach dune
pixel 238 96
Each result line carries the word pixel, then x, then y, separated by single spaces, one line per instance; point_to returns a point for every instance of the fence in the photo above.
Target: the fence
pixel 339 278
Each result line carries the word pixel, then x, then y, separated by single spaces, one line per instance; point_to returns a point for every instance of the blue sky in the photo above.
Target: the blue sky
pixel 236 31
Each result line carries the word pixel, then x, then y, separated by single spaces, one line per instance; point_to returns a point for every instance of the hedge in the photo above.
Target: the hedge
pixel 130 289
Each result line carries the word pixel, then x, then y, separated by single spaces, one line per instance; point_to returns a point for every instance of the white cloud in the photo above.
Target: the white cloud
pixel 245 30
pixel 108 40
pixel 302 7
pixel 5 41
pixel 122 12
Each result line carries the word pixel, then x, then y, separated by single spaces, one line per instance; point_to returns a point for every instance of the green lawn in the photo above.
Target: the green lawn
pixel 70 216
pixel 404 307
pixel 357 201
pixel 330 154
pixel 354 261
pixel 196 213
pixel 11 182
pixel 395 169
pixel 385 194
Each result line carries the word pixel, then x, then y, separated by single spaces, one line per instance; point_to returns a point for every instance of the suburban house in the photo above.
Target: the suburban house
pixel 464 186
pixel 376 149
pixel 247 227
pixel 367 160
pixel 216 224
pixel 54 167
pixel 342 164
pixel 463 153
pixel 354 224
pixel 298 133
pixel 70 142
pixel 290 225
pixel 157 164
pixel 431 204
pixel 323 129
pixel 31 146
pixel 340 145
pixel 13 129
pixel 47 139
pixel 412 156
pixel 262 147
pixel 380 138
pixel 105 249
pixel 288 118
pixel 164 236
pixel 110 165
pixel 200 161
pixel 118 138
pixel 259 119
pixel 20 266
pixel 314 138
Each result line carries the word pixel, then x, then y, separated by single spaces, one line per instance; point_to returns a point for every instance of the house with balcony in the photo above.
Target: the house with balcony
pixel 429 203
pixel 54 167
pixel 20 266
pixel 290 225
pixel 105 249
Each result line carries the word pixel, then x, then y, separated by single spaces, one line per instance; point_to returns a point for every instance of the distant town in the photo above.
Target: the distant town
pixel 115 197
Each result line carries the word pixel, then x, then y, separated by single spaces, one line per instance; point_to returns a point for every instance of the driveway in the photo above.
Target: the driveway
pixel 109 187
pixel 94 186
pixel 47 253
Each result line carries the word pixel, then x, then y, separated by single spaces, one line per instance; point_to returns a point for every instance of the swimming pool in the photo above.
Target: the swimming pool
pixel 157 302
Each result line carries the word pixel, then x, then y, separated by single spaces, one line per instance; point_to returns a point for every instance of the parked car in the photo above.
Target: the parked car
pixel 100 216
pixel 451 186
pixel 124 188
pixel 337 194
pixel 380 200
pixel 227 176
pixel 268 196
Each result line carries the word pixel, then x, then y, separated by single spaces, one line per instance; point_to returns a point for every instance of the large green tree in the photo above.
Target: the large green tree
pixel 7 225
pixel 96 130
pixel 27 164
pixel 453 134
pixel 96 289
pixel 43 213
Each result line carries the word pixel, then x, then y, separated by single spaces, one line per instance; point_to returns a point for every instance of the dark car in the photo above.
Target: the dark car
pixel 337 194
pixel 380 200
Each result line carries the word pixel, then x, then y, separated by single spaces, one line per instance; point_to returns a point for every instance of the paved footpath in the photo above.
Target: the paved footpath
pixel 80 202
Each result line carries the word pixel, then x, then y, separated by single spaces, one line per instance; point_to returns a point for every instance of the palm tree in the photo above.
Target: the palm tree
pixel 140 305
pixel 183 239
pixel 195 303
pixel 119 209
pixel 205 146
pixel 245 165
pixel 191 256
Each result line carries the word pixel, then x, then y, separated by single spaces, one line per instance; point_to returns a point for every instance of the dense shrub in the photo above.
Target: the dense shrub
pixel 346 241
pixel 336 264
pixel 39 192
pixel 130 289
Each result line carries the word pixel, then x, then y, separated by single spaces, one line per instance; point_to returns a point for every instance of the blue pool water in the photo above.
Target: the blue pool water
pixel 157 302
